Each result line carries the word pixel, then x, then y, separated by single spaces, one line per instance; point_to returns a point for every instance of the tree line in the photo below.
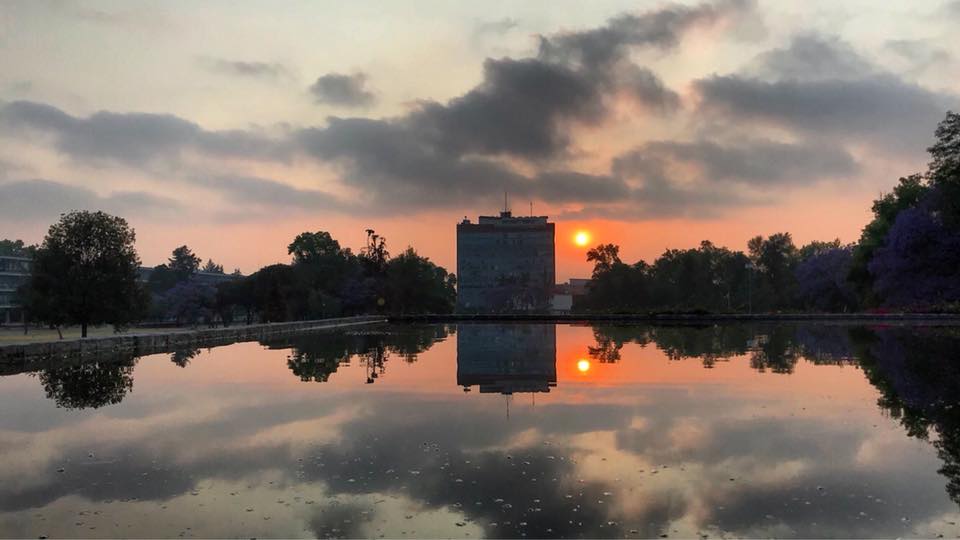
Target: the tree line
pixel 87 272
pixel 907 258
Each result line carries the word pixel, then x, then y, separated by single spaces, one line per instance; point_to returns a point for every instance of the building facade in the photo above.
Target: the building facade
pixel 505 264
pixel 14 271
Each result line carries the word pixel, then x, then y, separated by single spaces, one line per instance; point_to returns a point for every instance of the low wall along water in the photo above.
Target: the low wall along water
pixel 18 357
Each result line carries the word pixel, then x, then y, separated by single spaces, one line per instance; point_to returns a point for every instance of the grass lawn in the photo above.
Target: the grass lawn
pixel 14 334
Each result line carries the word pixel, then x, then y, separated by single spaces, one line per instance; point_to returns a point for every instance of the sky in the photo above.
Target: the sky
pixel 233 126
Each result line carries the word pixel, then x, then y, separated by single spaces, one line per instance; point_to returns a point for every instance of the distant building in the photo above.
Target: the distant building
pixel 507 359
pixel 505 263
pixel 14 271
pixel 561 304
pixel 566 295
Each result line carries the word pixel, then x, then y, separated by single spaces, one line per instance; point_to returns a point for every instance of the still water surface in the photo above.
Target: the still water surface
pixel 478 430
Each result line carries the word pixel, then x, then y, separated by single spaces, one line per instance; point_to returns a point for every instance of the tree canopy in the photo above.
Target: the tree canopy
pixel 86 272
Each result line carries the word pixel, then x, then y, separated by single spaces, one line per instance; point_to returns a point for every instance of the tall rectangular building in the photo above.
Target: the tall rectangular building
pixel 505 263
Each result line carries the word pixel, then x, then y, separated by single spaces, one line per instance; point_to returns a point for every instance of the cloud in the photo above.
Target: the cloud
pixel 952 8
pixel 820 87
pixel 44 200
pixel 240 68
pixel 882 109
pixel 133 139
pixel 342 90
pixel 264 192
pixel 497 28
pixel 396 169
pixel 812 57
pixel 921 54
pixel 662 28
pixel 756 162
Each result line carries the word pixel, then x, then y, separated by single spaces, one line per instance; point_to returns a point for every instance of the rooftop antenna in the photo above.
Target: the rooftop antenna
pixel 505 208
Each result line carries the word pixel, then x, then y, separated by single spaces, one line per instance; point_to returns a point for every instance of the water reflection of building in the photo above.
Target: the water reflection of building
pixel 507 359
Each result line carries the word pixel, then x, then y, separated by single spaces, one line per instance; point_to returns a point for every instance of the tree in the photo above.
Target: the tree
pixel 310 247
pixel 908 192
pixel 212 267
pixel 375 254
pixel 191 302
pixel 161 279
pixel 822 282
pixel 184 263
pixel 775 258
pixel 603 257
pixel 415 285
pixel 87 272
pixel 919 265
pixel 16 248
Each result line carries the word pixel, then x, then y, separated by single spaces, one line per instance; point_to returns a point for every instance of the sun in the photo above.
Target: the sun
pixel 583 365
pixel 582 238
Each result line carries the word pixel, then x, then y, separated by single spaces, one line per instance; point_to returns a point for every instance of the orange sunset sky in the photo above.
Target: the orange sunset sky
pixel 232 127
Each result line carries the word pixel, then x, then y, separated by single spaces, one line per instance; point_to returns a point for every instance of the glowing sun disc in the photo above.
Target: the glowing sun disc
pixel 582 238
pixel 583 366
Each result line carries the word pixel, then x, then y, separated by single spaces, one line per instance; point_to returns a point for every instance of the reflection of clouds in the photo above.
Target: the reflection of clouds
pixel 651 458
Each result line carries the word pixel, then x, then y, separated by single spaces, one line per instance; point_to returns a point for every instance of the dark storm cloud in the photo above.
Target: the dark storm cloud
pixel 132 139
pixel 44 200
pixel 822 87
pixel 240 68
pixel 759 162
pixel 342 90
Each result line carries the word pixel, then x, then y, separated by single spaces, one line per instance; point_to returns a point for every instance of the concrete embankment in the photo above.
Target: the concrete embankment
pixel 19 357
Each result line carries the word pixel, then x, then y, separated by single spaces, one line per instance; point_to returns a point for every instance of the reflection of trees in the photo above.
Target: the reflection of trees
pixel 917 373
pixel 89 384
pixel 775 348
pixel 182 357
pixel 314 357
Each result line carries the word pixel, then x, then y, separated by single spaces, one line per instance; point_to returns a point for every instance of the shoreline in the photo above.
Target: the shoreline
pixel 19 356
pixel 945 318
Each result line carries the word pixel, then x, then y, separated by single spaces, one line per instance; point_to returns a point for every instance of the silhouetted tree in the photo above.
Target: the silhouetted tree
pixel 16 248
pixel 415 285
pixel 184 263
pixel 86 272
pixel 919 264
pixel 212 267
pixel 190 302
pixel 822 283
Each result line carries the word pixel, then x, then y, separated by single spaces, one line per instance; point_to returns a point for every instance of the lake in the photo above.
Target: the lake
pixel 499 430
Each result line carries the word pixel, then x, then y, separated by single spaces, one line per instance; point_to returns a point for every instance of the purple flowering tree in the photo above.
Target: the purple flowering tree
pixel 822 282
pixel 919 264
